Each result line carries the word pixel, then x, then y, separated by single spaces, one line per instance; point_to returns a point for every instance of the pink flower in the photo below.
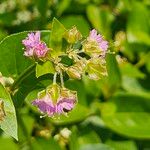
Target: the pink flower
pixel 94 36
pixel 50 108
pixel 34 46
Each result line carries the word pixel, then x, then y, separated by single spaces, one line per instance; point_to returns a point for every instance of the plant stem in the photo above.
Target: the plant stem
pixel 55 78
pixel 22 76
pixel 61 79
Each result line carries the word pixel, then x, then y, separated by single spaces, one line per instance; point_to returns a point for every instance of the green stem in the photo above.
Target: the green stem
pixel 23 76
pixel 55 78
pixel 61 79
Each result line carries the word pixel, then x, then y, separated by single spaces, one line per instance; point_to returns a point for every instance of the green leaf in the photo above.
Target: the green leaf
pixel 101 19
pixel 76 20
pixel 8 143
pixel 12 60
pixel 131 70
pixel 62 6
pixel 9 124
pixel 88 136
pixel 138 24
pixel 42 144
pixel 122 145
pixel 57 33
pixel 133 124
pixel 113 70
pixel 114 75
pixel 96 147
pixel 133 85
pixel 78 114
pixel 131 115
pixel 45 68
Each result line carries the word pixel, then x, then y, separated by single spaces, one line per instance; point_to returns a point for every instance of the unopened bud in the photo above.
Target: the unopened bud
pixel 73 35
pixel 73 72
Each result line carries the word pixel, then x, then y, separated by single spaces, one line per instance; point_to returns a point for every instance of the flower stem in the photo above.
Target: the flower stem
pixel 22 76
pixel 55 78
pixel 61 79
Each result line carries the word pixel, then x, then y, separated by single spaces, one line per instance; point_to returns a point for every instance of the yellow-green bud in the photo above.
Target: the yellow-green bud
pixel 73 35
pixel 73 72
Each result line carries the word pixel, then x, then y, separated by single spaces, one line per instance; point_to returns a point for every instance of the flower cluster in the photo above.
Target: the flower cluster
pixel 87 56
pixel 34 47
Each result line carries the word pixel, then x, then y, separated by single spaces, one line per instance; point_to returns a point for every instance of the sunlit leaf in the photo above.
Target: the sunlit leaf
pixel 9 123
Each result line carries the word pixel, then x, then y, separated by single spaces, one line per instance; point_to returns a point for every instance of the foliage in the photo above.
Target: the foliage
pixel 113 112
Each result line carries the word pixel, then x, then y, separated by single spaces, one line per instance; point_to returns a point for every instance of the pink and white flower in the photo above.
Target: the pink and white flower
pixel 98 39
pixel 34 47
pixel 95 45
pixel 51 108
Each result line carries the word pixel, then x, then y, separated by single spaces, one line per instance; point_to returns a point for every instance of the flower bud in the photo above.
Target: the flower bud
pixel 73 72
pixel 96 68
pixel 73 35
pixel 76 70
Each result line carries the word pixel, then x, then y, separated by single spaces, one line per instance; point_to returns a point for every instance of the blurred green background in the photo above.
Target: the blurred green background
pixel 113 113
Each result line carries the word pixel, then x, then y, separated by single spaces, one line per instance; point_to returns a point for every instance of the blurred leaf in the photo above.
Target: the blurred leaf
pixel 131 70
pixel 130 124
pixel 114 76
pixel 92 87
pixel 78 86
pixel 9 124
pixel 113 70
pixel 96 147
pixel 73 140
pixel 62 6
pixel 3 34
pixel 57 33
pixel 42 144
pixel 122 145
pixel 101 19
pixel 138 24
pixel 76 20
pixel 42 7
pixel 88 136
pixel 7 18
pixel 30 97
pixel 79 113
pixel 45 68
pixel 7 143
pixel 133 86
pixel 129 117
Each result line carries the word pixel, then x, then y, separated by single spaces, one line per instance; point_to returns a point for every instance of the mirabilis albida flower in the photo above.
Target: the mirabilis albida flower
pixel 55 100
pixel 87 57
pixel 34 47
